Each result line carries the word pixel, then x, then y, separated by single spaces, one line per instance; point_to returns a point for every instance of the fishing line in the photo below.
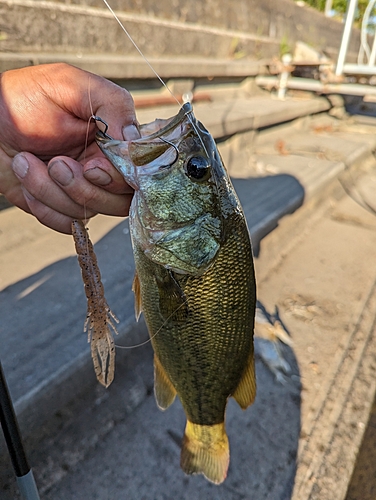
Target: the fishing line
pixel 156 333
pixel 89 120
pixel 154 71
pixel 85 149
pixel 139 50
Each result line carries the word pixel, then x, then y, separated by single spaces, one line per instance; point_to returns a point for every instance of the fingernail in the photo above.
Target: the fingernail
pixel 98 176
pixel 20 166
pixel 60 172
pixel 131 132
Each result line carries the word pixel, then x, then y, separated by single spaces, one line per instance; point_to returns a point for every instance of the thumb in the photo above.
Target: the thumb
pixel 115 106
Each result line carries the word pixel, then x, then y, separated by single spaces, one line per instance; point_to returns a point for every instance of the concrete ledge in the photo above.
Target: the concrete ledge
pixel 225 117
pixel 284 20
pixel 74 28
pixel 327 457
pixel 127 67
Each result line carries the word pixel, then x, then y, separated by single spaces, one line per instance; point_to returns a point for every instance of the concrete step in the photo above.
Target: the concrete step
pixel 320 423
pixel 117 66
pixel 84 33
pixel 298 161
pixel 81 32
pixel 45 354
pixel 243 111
pixel 324 289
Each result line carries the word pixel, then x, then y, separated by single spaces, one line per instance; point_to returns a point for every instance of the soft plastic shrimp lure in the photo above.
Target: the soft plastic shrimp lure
pixel 100 320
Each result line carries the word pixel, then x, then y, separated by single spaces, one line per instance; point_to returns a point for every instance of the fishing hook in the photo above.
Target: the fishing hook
pixel 174 146
pixel 99 119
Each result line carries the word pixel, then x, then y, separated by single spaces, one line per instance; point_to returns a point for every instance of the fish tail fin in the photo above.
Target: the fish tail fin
pixel 206 451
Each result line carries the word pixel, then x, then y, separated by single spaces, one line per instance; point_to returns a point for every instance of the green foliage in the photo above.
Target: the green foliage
pixel 284 46
pixel 317 4
pixel 339 6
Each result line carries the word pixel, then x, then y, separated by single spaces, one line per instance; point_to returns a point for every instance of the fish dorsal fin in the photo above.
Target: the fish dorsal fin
pixel 164 391
pixel 245 393
pixel 136 288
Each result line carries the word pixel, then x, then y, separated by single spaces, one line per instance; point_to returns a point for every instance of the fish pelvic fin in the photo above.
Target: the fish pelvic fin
pixel 206 451
pixel 245 392
pixel 136 288
pixel 164 391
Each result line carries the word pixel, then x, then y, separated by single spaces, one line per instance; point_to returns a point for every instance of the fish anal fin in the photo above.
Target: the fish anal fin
pixel 206 451
pixel 245 392
pixel 163 389
pixel 136 288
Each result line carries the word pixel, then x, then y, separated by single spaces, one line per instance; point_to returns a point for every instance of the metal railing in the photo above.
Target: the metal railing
pixel 365 64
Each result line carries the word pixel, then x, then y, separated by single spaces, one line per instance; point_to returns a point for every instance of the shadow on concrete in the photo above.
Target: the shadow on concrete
pixel 355 105
pixel 266 200
pixel 46 360
pixel 42 319
pixel 135 454
pixel 42 316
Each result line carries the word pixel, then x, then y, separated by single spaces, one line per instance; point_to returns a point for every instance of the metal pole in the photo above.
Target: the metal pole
pixel 328 7
pixel 350 15
pixel 372 57
pixel 12 435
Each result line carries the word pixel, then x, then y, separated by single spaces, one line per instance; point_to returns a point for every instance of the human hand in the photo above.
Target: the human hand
pixel 50 165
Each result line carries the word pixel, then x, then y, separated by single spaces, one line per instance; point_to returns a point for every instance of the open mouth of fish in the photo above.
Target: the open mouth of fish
pixel 154 152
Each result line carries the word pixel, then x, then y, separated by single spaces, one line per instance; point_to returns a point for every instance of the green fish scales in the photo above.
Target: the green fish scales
pixel 203 339
pixel 194 279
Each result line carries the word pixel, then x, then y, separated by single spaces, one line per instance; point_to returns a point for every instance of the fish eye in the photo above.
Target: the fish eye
pixel 198 168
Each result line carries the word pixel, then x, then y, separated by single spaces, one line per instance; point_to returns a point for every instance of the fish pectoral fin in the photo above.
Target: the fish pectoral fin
pixel 172 301
pixel 206 451
pixel 136 288
pixel 164 391
pixel 245 393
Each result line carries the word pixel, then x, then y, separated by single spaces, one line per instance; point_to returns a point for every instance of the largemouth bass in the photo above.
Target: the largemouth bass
pixel 194 279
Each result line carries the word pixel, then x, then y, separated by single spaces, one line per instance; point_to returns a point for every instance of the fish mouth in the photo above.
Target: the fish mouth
pixel 150 154
pixel 103 138
pixel 152 130
pixel 159 127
